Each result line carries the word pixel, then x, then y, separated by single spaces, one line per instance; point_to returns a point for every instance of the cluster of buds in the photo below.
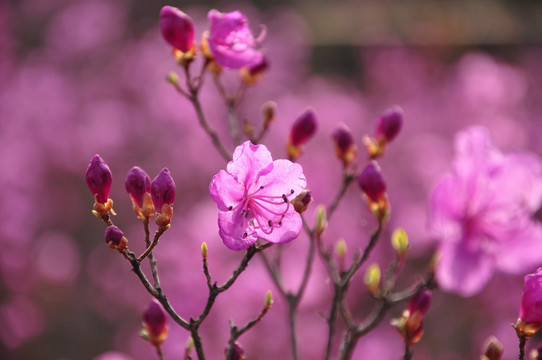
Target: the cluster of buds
pixel 373 187
pixel 302 130
pixel 387 128
pixel 154 324
pixel 410 324
pixel 228 43
pixel 147 197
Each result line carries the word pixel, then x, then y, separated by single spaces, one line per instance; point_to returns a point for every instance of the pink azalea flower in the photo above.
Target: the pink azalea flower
pixel 254 196
pixel 481 212
pixel 231 40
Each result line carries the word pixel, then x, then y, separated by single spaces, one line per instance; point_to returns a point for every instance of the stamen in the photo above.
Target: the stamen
pixel 245 235
pixel 261 187
pixel 230 207
pixel 270 223
pixel 285 198
pixel 292 191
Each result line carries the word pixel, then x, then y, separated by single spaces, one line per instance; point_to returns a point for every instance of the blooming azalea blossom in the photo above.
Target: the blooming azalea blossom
pixel 482 214
pixel 253 196
pixel 231 41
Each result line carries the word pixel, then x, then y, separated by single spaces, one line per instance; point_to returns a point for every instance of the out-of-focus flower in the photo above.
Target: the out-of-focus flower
pixel 493 349
pixel 154 323
pixel 99 179
pixel 177 28
pixel 482 214
pixel 163 195
pixel 530 310
pixel 303 129
pixel 114 237
pixel 253 197
pixel 138 185
pixel 231 41
pixel 345 146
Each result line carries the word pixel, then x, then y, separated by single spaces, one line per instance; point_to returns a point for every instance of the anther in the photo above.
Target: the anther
pixel 285 198
pixel 280 223
pixel 261 187
pixel 245 235
pixel 292 191
pixel 230 207
pixel 270 223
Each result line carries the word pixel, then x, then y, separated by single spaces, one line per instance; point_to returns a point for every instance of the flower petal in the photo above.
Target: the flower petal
pixel 447 208
pixel 226 191
pixel 288 231
pixel 248 161
pixel 232 233
pixel 283 178
pixel 463 271
pixel 522 251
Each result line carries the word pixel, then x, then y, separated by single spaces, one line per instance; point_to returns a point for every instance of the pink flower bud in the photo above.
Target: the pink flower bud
pixel 530 310
pixel 154 323
pixel 137 184
pixel 162 189
pixel 237 353
pixel 371 182
pixel 230 40
pixel 114 237
pixel 99 179
pixel 389 124
pixel 420 302
pixel 177 28
pixel 345 146
pixel 304 128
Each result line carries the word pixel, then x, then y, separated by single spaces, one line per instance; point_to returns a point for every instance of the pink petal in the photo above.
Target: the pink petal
pixel 226 191
pixel 288 231
pixel 522 251
pixel 463 271
pixel 447 208
pixel 248 160
pixel 284 177
pixel 232 233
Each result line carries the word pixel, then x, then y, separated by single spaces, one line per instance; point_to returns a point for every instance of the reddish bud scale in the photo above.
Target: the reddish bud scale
pixel 304 128
pixel 251 74
pixel 371 182
pixel 99 179
pixel 389 124
pixel 177 28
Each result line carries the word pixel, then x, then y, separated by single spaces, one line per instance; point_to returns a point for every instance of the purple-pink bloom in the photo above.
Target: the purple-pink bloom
pixel 530 310
pixel 137 183
pixel 177 28
pixel 231 41
pixel 253 196
pixel 481 212
pixel 99 179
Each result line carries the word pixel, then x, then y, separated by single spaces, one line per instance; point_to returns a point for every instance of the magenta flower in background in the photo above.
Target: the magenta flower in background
pixel 530 310
pixel 253 197
pixel 231 40
pixel 481 213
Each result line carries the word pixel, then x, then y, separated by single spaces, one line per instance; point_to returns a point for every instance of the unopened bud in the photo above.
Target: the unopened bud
pixel 269 110
pixel 99 179
pixel 389 124
pixel 138 185
pixel 204 250
pixel 420 302
pixel 115 238
pixel 251 74
pixel 163 195
pixel 372 182
pixel 372 278
pixel 345 146
pixel 399 241
pixel 177 28
pixel 493 349
pixel 302 201
pixel 154 323
pixel 536 353
pixel 173 78
pixel 341 248
pixel 321 220
pixel 268 299
pixel 303 129
pixel 237 353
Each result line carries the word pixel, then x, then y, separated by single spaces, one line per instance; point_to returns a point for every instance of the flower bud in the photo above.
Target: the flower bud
pixel 372 182
pixel 99 179
pixel 253 73
pixel 163 195
pixel 115 238
pixel 321 220
pixel 420 302
pixel 154 323
pixel 344 144
pixel 269 109
pixel 536 353
pixel 138 185
pixel 372 278
pixel 237 353
pixel 530 311
pixel 341 249
pixel 389 124
pixel 302 201
pixel 399 242
pixel 304 128
pixel 204 250
pixel 493 349
pixel 268 299
pixel 177 28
